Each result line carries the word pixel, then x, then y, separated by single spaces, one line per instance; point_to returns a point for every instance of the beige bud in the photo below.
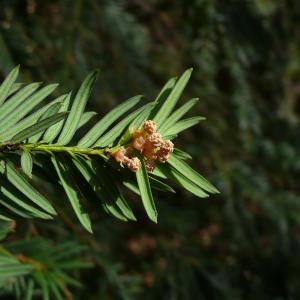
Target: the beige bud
pixel 155 139
pixel 120 155
pixel 134 164
pixel 150 165
pixel 138 143
pixel 149 126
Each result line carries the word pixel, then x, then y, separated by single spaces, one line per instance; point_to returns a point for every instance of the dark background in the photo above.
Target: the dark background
pixel 241 244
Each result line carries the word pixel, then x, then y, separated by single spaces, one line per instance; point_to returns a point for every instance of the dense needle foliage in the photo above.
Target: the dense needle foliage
pixel 240 244
pixel 97 167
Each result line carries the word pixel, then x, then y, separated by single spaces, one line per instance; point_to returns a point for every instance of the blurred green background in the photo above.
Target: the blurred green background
pixel 241 244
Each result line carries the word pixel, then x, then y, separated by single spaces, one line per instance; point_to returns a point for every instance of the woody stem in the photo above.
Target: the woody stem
pixel 67 149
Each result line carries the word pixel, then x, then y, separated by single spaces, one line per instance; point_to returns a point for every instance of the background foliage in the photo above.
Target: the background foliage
pixel 242 244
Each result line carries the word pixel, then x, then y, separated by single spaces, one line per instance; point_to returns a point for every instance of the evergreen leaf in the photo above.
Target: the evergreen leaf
pixel 191 174
pixel 38 127
pixel 145 191
pixel 181 154
pixel 7 84
pixel 16 100
pixel 159 185
pixel 17 179
pixel 176 115
pixel 77 109
pixel 26 122
pixel 95 133
pixel 42 281
pixel 27 163
pixel 15 87
pixel 112 190
pixel 182 125
pixel 29 290
pixel 24 214
pixel 55 291
pixel 110 205
pixel 10 194
pixel 172 99
pixel 182 181
pixel 162 96
pixel 24 108
pixel 72 192
pixel 53 131
pixel 86 117
pixel 9 270
pixel 50 112
pixel 110 137
pixel 142 116
pixel 6 219
pixel 136 123
pixel 87 172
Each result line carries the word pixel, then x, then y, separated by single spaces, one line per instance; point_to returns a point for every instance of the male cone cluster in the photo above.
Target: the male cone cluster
pixel 148 143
